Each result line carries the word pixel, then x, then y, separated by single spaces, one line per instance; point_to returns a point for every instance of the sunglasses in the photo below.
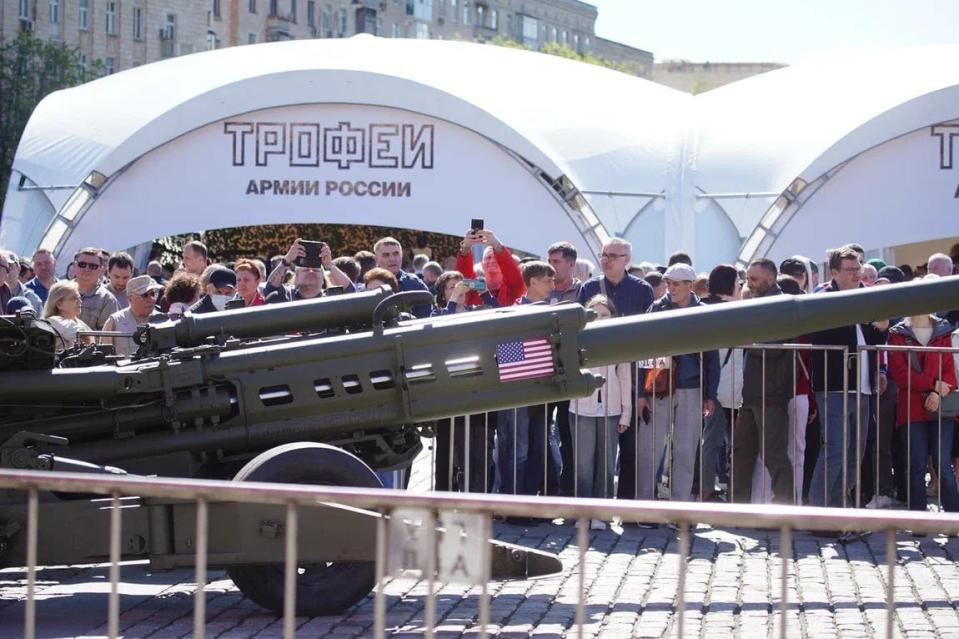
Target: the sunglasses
pixel 90 266
pixel 152 293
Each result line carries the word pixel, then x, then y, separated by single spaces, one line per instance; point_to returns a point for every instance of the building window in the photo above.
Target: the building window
pixel 111 15
pixel 576 42
pixel 480 15
pixel 137 23
pixel 252 6
pixel 273 8
pixel 379 27
pixel 422 30
pixel 24 9
pixel 108 63
pixel 54 12
pixel 292 10
pixel 341 23
pixel 562 40
pixel 493 20
pixel 326 20
pixel 530 31
pixel 216 9
pixel 311 13
pixel 466 13
pixel 552 34
pixel 83 66
pixel 586 43
pixel 251 38
pixel 454 12
pixel 84 15
pixel 395 30
pixel 211 40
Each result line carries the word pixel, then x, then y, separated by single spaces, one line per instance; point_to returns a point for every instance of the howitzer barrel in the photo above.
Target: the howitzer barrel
pixel 269 319
pixel 775 318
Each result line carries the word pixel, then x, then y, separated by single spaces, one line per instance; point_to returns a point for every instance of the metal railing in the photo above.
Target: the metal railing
pixel 388 503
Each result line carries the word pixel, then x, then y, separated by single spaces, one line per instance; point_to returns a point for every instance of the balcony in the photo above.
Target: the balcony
pixel 278 27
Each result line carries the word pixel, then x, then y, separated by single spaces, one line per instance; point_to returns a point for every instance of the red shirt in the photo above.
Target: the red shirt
pixel 512 288
pixel 915 385
pixel 258 300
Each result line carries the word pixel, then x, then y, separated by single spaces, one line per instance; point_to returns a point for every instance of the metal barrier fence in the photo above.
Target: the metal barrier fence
pixel 515 451
pixel 429 508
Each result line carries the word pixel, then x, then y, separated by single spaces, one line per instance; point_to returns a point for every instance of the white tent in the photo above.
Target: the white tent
pixel 398 133
pixel 427 134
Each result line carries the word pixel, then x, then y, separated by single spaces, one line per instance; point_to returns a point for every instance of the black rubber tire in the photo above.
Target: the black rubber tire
pixel 324 589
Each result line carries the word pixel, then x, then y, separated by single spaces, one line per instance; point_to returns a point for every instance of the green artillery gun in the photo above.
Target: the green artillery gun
pixel 216 396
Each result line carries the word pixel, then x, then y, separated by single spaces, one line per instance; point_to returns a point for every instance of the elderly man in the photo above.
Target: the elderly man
pixel 941 264
pixel 12 279
pixel 631 296
pixel 98 304
pixel 142 292
pixel 389 255
pixel 679 410
pixel 44 267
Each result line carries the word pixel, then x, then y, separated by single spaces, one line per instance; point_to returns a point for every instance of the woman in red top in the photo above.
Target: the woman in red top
pixel 923 379
pixel 248 283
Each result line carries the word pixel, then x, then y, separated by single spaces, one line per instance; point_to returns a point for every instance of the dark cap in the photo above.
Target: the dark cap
pixel 892 273
pixel 222 276
pixel 793 266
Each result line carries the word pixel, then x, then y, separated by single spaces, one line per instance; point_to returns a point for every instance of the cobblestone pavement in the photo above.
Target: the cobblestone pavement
pixel 732 590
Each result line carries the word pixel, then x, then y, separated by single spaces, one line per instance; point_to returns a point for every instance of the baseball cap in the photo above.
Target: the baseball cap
pixel 680 272
pixel 141 284
pixel 222 276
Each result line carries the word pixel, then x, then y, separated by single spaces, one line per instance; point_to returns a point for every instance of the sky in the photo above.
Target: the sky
pixel 784 31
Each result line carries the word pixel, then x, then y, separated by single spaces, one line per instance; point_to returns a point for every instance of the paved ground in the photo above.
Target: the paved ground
pixel 631 579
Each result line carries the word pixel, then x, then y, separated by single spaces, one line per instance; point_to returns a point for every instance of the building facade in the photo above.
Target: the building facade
pixel 128 33
pixel 697 77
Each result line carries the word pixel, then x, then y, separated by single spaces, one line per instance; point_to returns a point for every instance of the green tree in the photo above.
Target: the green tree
pixel 30 69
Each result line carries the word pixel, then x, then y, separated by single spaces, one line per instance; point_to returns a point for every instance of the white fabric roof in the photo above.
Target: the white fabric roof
pixel 619 139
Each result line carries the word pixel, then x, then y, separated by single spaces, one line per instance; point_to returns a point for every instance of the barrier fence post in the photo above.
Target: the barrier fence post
pixel 582 540
pixel 290 573
pixel 113 608
pixel 785 555
pixel 485 577
pixel 891 561
pixel 379 602
pixel 199 602
pixel 681 585
pixel 30 617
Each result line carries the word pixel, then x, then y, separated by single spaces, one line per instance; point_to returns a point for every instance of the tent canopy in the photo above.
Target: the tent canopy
pixel 664 169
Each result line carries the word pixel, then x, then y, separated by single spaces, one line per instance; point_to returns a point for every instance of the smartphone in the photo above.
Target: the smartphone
pixel 476 224
pixel 477 285
pixel 334 290
pixel 234 304
pixel 312 257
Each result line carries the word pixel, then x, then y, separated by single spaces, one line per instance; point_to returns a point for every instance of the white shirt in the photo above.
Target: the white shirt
pixel 612 398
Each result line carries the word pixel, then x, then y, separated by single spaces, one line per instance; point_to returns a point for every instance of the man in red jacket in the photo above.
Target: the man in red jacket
pixel 504 282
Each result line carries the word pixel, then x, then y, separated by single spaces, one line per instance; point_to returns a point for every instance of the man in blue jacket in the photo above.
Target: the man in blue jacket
pixel 679 413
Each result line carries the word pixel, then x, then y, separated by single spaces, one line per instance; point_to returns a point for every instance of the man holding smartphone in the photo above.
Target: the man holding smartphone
pixel 310 279
pixel 504 282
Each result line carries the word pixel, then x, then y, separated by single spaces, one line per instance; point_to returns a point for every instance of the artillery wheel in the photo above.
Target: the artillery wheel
pixel 321 589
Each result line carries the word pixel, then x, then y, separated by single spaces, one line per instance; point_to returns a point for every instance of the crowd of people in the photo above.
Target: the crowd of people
pixel 789 424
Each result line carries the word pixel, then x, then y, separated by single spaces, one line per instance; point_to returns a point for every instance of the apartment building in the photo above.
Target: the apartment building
pixel 127 33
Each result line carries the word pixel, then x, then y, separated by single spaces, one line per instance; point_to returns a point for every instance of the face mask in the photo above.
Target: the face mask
pixel 219 301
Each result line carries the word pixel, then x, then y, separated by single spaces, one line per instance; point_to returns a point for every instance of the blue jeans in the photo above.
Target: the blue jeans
pixel 520 446
pixel 924 441
pixel 826 487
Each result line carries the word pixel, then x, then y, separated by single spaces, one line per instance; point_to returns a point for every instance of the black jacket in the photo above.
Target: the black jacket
pixel 780 384
pixel 827 366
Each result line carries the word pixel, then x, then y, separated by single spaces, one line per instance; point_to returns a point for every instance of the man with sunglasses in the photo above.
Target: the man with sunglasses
pixel 631 296
pixel 142 292
pixel 98 303
pixel 12 279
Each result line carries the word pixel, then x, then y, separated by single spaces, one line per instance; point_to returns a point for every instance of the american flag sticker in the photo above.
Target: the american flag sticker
pixel 524 360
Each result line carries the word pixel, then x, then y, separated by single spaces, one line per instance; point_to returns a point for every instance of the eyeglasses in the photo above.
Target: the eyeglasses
pixel 90 266
pixel 152 293
pixel 611 256
pixel 852 269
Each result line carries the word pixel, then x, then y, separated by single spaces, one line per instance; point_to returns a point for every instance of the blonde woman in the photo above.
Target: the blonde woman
pixel 62 310
pixel 597 420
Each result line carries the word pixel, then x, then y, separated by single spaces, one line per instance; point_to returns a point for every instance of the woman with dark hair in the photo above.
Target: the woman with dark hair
pixel 182 292
pixel 377 277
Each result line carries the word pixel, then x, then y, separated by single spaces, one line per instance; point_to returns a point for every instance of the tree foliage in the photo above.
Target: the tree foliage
pixel 563 51
pixel 30 69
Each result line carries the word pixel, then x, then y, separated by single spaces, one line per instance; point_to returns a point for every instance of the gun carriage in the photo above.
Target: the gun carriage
pixel 233 394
